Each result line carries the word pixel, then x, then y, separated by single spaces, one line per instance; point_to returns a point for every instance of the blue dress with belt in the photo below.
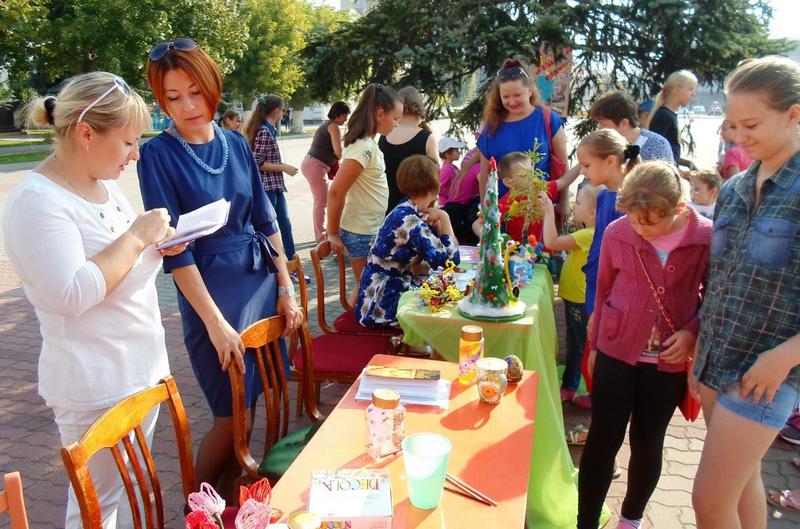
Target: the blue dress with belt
pixel 235 262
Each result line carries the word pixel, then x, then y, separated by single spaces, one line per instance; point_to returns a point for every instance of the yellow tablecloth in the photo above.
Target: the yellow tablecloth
pixel 552 492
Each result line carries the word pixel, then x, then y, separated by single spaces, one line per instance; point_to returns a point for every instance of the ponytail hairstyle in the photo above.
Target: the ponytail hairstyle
pixel 114 110
pixel 675 80
pixel 413 105
pixel 493 111
pixel 264 107
pixel 777 78
pixel 608 142
pixel 651 186
pixel 363 121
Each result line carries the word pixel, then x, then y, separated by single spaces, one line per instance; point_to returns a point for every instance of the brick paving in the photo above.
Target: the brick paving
pixel 29 440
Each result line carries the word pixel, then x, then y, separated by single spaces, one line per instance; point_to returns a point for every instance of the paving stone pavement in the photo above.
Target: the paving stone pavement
pixel 29 441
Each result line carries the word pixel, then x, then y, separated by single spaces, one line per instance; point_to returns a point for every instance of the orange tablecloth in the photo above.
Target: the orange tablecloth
pixel 491 451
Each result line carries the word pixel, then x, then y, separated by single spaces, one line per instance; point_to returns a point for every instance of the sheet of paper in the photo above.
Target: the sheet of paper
pixel 199 223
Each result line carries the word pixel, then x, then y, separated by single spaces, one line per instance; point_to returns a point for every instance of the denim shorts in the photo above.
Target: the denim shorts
pixel 772 415
pixel 357 244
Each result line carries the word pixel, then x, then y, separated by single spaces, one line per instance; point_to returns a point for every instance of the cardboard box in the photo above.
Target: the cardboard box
pixel 352 498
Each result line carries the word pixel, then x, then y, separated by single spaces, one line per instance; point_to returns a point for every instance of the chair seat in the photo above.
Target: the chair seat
pixel 286 450
pixel 347 323
pixel 342 353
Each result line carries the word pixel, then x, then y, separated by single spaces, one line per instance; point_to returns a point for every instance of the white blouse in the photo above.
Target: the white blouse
pixel 96 349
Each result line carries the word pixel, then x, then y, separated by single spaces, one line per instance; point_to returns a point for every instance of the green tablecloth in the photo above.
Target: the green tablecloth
pixel 552 491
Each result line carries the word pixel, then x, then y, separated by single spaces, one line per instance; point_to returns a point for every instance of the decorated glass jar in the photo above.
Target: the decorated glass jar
pixel 386 423
pixel 492 379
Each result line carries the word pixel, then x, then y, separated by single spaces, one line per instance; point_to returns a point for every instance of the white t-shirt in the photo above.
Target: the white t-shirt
pixel 367 199
pixel 96 349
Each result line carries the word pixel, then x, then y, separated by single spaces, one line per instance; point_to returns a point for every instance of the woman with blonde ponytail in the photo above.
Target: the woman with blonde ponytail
pixel 678 91
pixel 88 265
pixel 411 136
pixel 605 158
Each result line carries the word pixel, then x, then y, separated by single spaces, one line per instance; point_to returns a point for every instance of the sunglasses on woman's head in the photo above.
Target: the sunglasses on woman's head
pixel 514 72
pixel 159 50
pixel 119 84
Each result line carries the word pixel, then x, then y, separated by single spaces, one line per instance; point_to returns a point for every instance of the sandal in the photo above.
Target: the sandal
pixel 577 435
pixel 784 499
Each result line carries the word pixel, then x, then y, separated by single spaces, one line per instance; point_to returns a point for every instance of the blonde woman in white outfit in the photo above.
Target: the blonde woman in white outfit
pixel 88 265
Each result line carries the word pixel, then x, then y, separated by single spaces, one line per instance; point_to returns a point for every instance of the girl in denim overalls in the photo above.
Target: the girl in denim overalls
pixel 749 344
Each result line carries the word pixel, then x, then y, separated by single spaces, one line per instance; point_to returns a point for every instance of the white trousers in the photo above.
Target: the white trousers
pixel 114 506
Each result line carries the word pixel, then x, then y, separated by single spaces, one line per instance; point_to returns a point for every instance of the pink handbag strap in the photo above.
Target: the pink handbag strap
pixel 653 290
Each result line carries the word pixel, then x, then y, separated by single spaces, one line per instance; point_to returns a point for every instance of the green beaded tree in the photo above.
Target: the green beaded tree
pixel 490 281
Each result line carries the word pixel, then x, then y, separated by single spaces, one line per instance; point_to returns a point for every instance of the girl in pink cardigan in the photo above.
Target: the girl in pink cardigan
pixel 653 263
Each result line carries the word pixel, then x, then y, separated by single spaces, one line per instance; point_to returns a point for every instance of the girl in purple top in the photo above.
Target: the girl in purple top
pixel 652 268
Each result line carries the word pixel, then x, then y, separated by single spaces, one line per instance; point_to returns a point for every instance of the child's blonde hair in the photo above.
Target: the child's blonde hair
pixel 709 177
pixel 608 142
pixel 651 186
pixel 675 80
pixel 509 160
pixel 778 78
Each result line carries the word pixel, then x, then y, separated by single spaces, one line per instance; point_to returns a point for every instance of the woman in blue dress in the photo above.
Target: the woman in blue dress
pixel 515 118
pixel 232 278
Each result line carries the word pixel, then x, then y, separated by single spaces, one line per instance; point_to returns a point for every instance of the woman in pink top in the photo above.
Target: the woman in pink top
pixel 463 197
pixel 639 352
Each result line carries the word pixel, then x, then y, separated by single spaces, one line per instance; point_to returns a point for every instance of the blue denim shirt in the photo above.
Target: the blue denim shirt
pixel 753 298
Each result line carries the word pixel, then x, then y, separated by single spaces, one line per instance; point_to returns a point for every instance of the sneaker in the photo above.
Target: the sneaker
pixel 566 394
pixel 305 278
pixel 583 401
pixel 790 433
pixel 624 523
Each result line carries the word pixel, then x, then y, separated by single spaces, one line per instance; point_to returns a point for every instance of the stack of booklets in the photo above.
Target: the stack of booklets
pixel 355 498
pixel 415 386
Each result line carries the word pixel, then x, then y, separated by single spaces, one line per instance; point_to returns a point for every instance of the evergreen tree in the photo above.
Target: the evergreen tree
pixel 629 44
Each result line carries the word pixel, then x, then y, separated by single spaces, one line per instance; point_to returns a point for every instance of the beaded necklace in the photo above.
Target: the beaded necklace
pixel 218 133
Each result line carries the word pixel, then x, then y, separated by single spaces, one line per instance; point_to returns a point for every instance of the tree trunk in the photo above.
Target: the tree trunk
pixel 297 120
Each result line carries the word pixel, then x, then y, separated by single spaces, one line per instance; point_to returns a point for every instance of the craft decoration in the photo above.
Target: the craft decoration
pixel 492 298
pixel 439 288
pixel 523 195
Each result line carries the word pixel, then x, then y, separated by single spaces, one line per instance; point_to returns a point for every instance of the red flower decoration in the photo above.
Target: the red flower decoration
pixel 261 491
pixel 200 520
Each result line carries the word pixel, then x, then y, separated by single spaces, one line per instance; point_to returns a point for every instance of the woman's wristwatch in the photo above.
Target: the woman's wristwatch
pixel 286 291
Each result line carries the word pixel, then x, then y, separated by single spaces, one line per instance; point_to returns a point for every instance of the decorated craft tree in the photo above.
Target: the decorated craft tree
pixel 490 281
pixel 491 298
pixel 523 196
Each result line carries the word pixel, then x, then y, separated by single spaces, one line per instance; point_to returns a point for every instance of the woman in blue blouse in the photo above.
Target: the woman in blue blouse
pixel 514 119
pixel 413 233
pixel 237 275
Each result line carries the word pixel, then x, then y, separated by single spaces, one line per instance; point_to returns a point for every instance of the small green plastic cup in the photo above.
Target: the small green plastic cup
pixel 425 458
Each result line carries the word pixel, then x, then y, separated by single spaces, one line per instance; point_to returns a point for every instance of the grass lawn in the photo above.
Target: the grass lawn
pixel 23 157
pixel 19 143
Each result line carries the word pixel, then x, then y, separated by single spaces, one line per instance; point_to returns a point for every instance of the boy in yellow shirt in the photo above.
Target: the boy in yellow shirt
pixel 572 284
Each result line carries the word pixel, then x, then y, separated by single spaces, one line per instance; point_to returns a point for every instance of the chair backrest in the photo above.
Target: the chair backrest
pixel 12 501
pixel 112 431
pixel 322 251
pixel 294 266
pixel 264 338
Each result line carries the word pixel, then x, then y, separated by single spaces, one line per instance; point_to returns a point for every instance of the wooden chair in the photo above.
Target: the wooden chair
pixel 280 446
pixel 12 501
pixel 337 357
pixel 345 323
pixel 111 430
